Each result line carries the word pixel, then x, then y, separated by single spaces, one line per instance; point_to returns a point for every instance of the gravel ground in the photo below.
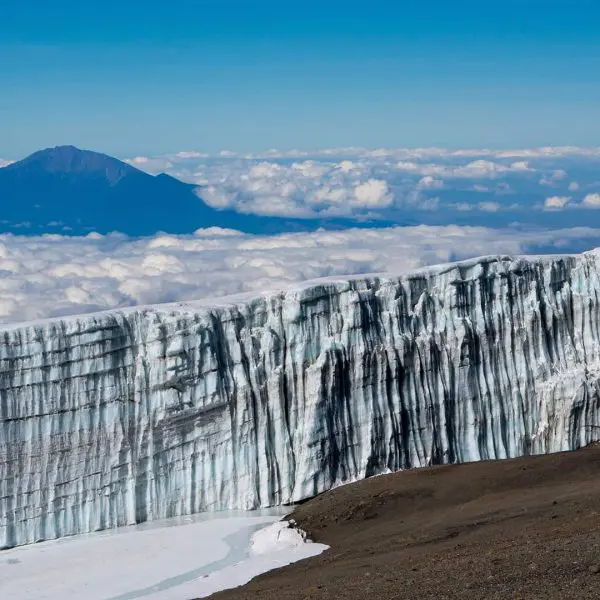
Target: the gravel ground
pixel 519 529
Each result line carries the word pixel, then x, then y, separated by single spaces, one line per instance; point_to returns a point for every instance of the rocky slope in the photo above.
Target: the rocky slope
pixel 128 416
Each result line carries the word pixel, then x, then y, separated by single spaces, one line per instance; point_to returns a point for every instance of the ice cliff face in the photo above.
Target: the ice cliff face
pixel 128 416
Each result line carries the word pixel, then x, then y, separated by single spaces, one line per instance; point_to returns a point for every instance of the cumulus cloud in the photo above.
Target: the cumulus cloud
pixel 489 206
pixel 591 201
pixel 373 193
pixel 556 202
pixel 478 169
pixel 54 275
pixel 430 183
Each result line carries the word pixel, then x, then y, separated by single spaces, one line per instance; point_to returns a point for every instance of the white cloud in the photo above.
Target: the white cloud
pixel 430 183
pixel 477 169
pixel 56 275
pixel 547 152
pixel 150 165
pixel 314 169
pixel 191 154
pixel 489 206
pixel 346 166
pixel 591 201
pixel 556 202
pixel 480 168
pixel 274 204
pixel 265 169
pixel 521 166
pixel 573 186
pixel 373 193
pixel 216 197
pixel 298 189
pixel 209 232
pixel 5 163
pixel 403 154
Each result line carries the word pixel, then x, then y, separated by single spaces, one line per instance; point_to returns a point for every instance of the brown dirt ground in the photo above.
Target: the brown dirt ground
pixel 519 529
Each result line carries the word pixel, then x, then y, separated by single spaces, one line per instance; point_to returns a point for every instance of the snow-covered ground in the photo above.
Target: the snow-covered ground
pixel 177 559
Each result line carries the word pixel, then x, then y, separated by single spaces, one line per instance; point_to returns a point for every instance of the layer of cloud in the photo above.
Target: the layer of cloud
pixel 358 182
pixel 348 187
pixel 56 275
pixel 477 169
pixel 402 153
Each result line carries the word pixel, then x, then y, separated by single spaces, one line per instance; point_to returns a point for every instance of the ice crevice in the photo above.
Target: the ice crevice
pixel 148 413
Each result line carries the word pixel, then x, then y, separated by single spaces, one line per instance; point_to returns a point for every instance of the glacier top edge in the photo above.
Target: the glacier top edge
pixel 244 298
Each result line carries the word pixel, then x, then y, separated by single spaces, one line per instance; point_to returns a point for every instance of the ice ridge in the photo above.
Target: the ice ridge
pixel 142 414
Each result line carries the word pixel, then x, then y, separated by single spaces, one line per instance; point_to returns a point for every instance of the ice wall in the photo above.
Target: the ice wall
pixel 128 416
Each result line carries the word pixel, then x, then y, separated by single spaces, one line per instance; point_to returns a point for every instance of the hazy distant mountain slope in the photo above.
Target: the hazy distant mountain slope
pixel 84 191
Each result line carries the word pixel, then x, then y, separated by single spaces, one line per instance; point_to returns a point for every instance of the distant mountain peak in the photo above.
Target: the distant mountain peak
pixel 69 160
pixel 66 189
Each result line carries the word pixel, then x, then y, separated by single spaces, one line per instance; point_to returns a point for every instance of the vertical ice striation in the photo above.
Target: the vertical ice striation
pixel 129 416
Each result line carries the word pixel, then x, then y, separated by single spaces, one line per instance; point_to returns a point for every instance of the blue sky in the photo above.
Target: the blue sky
pixel 133 77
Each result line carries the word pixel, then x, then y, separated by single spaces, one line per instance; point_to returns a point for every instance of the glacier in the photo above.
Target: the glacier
pixel 147 413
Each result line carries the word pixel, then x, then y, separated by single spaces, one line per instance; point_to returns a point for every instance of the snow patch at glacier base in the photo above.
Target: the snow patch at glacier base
pixel 174 560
